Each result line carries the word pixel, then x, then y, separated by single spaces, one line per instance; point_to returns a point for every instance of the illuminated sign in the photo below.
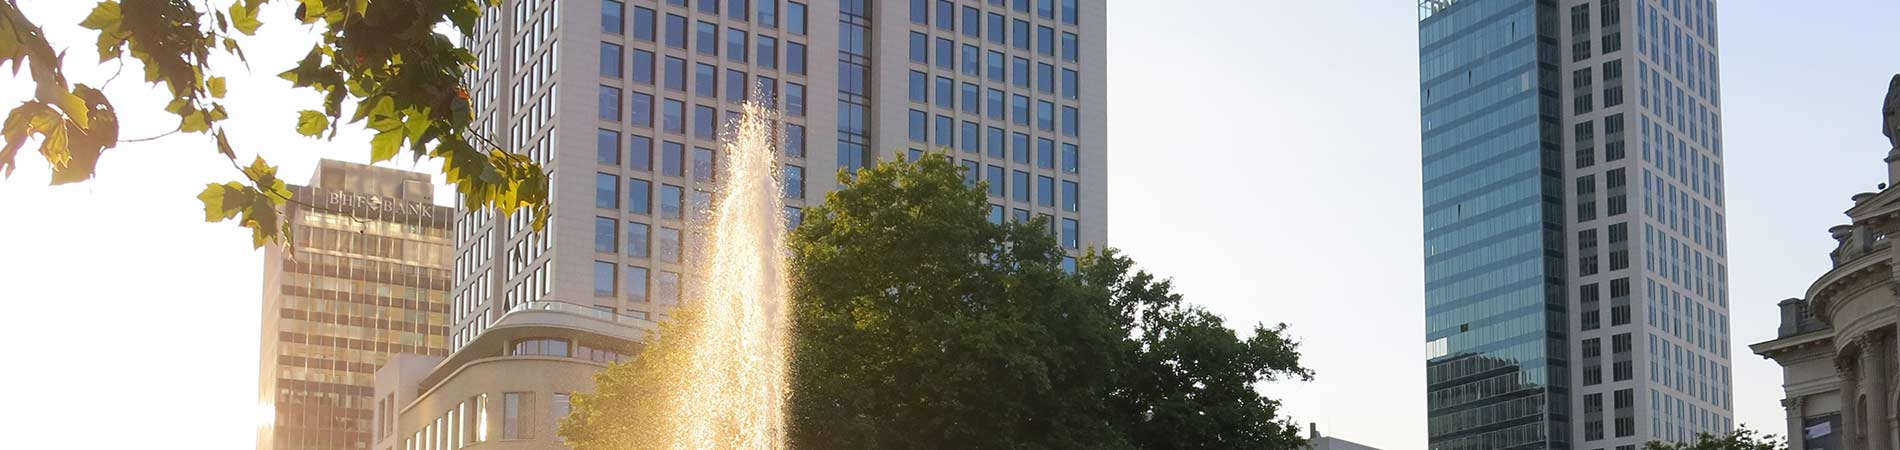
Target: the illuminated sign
pixel 372 204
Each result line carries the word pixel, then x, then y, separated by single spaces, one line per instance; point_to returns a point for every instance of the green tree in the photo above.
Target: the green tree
pixel 1741 439
pixel 919 324
pixel 384 56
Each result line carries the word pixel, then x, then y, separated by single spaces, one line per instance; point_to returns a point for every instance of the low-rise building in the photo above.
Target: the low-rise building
pixel 1836 347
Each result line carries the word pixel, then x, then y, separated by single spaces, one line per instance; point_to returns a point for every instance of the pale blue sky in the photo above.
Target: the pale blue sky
pixel 1263 153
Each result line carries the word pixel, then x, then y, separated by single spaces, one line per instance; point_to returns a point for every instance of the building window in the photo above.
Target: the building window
pixel 673 116
pixel 708 36
pixel 705 122
pixel 920 12
pixel 640 153
pixel 1019 34
pixel 993 27
pixel 642 67
pixel 540 347
pixel 606 191
pixel 737 10
pixel 636 288
pixel 794 181
pixel 637 240
pixel 1045 41
pixel 607 147
pixel 639 196
pixel 767 49
pixel 1071 156
pixel 705 167
pixel 1070 119
pixel 673 159
pixel 795 18
pixel 672 199
pixel 610 63
pixel 675 32
pixel 640 113
pixel 919 48
pixel 666 288
pixel 643 24
pixel 946 54
pixel 706 80
pixel 1071 234
pixel 604 278
pixel 968 137
pixel 736 45
pixel 514 423
pixel 606 234
pixel 795 100
pixel 946 92
pixel 795 58
pixel 919 126
pixel 669 245
pixel 1071 193
pixel 946 132
pixel 972 19
pixel 1019 184
pixel 794 140
pixel 609 104
pixel 1045 116
pixel 993 101
pixel 1046 191
pixel 1019 72
pixel 1019 147
pixel 611 20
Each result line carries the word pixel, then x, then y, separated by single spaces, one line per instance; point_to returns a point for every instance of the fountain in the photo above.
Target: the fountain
pixel 727 377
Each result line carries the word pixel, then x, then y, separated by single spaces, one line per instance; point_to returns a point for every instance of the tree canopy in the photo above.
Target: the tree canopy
pixel 920 324
pixel 384 57
pixel 1741 439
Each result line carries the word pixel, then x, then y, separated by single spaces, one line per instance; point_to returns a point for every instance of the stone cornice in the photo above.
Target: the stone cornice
pixel 1870 271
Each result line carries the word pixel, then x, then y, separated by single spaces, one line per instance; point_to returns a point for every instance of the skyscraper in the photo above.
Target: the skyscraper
pixel 1014 90
pixel 366 277
pixel 1558 314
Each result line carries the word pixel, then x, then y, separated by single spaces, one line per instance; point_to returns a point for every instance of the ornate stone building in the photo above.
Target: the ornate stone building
pixel 1836 347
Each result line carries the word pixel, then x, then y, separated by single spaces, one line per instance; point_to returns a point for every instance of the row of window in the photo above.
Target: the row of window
pixel 638 153
pixel 919 86
pixel 951 133
pixel 640 240
pixel 467 423
pixel 1017 187
pixel 673 201
pixel 638 110
pixel 1015 147
pixel 618 62
pixel 636 284
pixel 613 15
pixel 947 15
pixel 947 54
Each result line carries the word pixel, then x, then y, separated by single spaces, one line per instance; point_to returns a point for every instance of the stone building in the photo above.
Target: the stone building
pixel 1836 347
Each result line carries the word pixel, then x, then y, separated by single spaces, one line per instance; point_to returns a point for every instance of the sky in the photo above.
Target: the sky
pixel 1263 153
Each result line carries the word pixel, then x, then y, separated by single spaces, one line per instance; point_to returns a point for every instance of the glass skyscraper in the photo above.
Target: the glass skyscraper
pixel 1558 314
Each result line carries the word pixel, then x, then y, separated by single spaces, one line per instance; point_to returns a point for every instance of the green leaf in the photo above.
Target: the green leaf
pixel 244 18
pixel 195 122
pixel 384 146
pixel 224 146
pixel 104 17
pixel 223 201
pixel 216 85
pixel 311 123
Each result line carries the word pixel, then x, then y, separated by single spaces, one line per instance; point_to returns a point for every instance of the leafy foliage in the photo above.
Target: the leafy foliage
pixel 919 324
pixel 385 56
pixel 1741 439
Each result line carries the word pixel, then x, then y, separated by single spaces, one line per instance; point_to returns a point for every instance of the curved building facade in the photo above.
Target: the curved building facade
pixel 1836 347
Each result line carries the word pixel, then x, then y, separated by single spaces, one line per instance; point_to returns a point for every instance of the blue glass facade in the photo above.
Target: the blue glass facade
pixel 1493 225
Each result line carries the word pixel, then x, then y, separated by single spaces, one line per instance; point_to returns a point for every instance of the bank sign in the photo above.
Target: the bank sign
pixel 371 204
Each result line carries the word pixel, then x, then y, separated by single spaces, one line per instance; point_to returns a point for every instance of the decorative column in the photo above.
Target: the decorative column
pixel 1850 394
pixel 1796 417
pixel 1873 382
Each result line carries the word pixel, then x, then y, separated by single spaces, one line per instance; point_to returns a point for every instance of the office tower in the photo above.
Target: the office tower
pixel 624 100
pixel 1575 249
pixel 366 276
